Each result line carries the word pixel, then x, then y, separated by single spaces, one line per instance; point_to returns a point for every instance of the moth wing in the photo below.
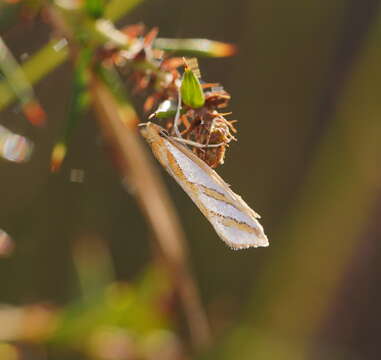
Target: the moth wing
pixel 233 220
pixel 238 239
pixel 217 178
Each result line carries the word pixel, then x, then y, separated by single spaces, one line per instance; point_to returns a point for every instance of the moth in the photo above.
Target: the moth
pixel 233 220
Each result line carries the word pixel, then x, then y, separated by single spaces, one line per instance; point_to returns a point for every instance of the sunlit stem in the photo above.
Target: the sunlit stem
pixel 14 74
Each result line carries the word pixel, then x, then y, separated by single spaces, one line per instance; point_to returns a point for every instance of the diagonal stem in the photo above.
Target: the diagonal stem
pixel 120 131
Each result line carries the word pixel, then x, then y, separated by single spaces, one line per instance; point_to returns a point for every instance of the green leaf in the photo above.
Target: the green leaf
pixel 191 90
pixel 165 110
pixel 195 47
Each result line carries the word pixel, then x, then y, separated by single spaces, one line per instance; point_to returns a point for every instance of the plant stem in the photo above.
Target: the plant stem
pixel 50 56
pixel 120 131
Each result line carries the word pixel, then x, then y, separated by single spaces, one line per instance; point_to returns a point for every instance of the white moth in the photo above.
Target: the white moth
pixel 234 221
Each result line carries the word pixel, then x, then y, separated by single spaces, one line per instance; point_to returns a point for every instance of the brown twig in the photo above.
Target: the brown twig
pixel 118 126
pixel 119 130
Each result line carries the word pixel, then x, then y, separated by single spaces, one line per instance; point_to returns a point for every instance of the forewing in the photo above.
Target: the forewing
pixel 234 221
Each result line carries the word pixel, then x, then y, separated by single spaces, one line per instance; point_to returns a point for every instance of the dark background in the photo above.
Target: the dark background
pixel 305 88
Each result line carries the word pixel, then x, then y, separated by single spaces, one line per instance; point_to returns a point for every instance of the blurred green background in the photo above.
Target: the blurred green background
pixel 305 88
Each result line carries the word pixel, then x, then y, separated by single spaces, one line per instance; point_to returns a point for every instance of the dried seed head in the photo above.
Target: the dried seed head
pixel 218 132
pixel 157 75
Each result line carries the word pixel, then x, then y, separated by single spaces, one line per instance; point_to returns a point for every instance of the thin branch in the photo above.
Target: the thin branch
pixel 119 128
pixel 38 66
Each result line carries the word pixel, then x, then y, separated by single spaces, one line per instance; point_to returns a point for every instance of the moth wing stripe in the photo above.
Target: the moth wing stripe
pixel 242 239
pixel 192 171
pixel 221 205
pixel 230 222
pixel 226 210
pixel 214 178
pixel 219 196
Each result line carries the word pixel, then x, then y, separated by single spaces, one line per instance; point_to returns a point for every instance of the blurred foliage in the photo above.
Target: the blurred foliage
pixel 136 311
pixel 307 82
pixel 118 322
pixel 110 321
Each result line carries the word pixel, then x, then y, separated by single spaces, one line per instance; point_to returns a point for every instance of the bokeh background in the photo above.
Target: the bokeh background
pixel 305 88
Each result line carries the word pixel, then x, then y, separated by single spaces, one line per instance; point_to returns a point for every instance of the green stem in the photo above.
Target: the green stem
pixel 48 58
pixel 38 66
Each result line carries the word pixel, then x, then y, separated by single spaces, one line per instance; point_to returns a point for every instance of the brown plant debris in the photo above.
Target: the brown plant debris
pixel 157 75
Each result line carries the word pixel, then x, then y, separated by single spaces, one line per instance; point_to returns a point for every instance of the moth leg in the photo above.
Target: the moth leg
pixel 177 116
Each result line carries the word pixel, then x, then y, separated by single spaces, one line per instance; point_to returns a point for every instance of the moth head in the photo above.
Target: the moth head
pixel 151 132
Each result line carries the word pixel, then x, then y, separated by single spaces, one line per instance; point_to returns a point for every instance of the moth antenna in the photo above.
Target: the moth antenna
pixel 196 144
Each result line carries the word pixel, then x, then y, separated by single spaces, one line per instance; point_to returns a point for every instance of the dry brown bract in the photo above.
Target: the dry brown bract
pixel 156 75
